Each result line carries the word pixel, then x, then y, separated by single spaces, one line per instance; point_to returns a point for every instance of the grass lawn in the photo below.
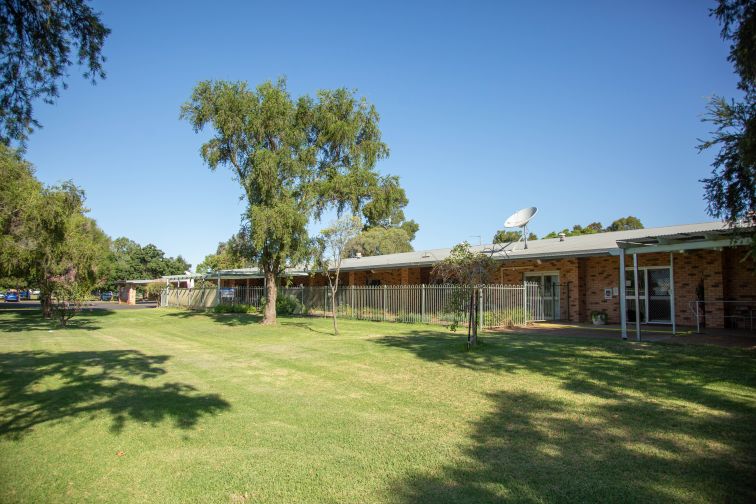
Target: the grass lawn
pixel 173 406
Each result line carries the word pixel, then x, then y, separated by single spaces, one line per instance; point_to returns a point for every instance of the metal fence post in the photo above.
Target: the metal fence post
pixel 384 303
pixel 422 303
pixel 525 301
pixel 480 308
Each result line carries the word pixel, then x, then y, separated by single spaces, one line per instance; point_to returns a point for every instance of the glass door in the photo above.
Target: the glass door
pixel 548 285
pixel 654 295
pixel 630 294
pixel 659 296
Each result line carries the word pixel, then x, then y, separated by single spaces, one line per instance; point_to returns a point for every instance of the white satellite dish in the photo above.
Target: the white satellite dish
pixel 520 219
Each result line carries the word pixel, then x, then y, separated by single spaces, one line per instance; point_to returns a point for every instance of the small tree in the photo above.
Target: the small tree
pixel 470 270
pixel 331 248
pixel 68 297
pixel 154 290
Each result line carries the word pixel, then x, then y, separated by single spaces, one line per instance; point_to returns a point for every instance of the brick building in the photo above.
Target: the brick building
pixel 686 273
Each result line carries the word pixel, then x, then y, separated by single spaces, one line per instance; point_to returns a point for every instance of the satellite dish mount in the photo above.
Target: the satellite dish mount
pixel 520 220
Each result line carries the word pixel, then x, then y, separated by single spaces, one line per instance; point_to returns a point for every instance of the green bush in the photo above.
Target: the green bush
pixel 233 308
pixel 508 318
pixel 287 305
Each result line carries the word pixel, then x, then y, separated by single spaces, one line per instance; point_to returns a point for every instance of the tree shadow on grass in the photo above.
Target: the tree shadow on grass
pixel 38 387
pixel 229 319
pixel 242 319
pixel 614 422
pixel 304 325
pixel 32 320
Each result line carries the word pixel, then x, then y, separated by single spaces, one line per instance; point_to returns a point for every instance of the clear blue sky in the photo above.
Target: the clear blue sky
pixel 588 110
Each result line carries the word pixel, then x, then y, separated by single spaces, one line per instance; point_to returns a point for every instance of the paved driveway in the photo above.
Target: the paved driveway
pixel 94 305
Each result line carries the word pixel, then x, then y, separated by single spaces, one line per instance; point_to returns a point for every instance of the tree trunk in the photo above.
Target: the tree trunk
pixel 333 311
pixel 472 329
pixel 269 314
pixel 46 303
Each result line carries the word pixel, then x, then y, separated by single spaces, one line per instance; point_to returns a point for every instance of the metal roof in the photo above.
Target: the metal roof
pixel 242 273
pixel 607 243
pixel 185 276
pixel 572 246
pixel 140 281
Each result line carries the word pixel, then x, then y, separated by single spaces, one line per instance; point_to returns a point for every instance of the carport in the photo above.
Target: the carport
pixel 127 289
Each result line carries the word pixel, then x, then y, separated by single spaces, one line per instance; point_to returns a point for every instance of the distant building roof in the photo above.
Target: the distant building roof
pixel 242 273
pixel 140 281
pixel 185 276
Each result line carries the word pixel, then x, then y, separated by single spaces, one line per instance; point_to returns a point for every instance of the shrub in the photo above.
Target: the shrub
pixel 153 291
pixel 509 317
pixel 287 305
pixel 233 308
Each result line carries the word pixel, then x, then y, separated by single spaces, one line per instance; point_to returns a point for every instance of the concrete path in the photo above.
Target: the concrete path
pixel 685 335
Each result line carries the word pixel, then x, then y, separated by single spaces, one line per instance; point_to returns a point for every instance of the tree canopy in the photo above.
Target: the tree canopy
pixel 37 39
pixel 730 191
pixel 379 241
pixel 621 224
pixel 48 241
pixel 294 158
pixel 228 255
pixel 504 236
pixel 132 261
pixel 20 192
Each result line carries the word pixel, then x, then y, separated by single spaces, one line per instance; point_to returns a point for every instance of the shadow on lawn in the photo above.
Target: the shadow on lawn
pixel 31 320
pixel 37 387
pixel 635 423
pixel 240 319
pixel 229 319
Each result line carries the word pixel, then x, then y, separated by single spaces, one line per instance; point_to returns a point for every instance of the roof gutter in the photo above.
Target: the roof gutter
pixel 637 248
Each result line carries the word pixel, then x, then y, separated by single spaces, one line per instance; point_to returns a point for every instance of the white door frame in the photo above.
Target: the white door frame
pixel 643 270
pixel 555 294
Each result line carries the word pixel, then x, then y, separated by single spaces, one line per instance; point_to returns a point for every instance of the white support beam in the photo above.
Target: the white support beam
pixel 623 295
pixel 637 298
pixel 672 290
pixel 695 245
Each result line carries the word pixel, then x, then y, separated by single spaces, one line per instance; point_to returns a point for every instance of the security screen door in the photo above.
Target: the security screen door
pixel 548 284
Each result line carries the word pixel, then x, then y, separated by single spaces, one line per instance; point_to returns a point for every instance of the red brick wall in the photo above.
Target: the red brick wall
pixel 739 275
pixel 722 275
pixel 690 268
pixel 600 273
pixel 513 272
pixel 739 284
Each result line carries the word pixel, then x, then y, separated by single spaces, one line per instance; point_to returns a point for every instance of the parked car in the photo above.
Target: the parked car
pixel 106 296
pixel 24 294
pixel 11 296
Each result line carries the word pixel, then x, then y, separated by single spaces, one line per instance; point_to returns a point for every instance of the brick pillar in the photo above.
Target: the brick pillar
pixel 711 268
pixel 405 276
pixel 351 278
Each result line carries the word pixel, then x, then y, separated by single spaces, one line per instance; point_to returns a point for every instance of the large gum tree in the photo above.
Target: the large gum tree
pixel 294 158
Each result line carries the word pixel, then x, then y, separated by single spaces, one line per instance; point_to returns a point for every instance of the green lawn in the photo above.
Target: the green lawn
pixel 172 406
